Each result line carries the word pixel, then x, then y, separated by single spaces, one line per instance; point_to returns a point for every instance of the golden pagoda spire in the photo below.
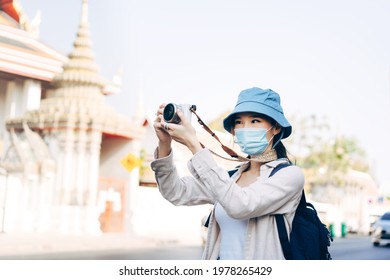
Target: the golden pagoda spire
pixel 84 12
pixel 81 70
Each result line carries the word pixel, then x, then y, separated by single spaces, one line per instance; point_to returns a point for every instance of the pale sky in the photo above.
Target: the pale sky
pixel 330 58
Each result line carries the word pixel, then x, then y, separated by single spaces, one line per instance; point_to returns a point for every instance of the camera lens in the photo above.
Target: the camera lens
pixel 169 112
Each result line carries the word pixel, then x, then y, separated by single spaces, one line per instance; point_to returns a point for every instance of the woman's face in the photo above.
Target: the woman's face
pixel 253 120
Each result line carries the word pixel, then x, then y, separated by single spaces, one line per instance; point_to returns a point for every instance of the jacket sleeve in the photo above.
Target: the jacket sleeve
pixel 186 190
pixel 267 195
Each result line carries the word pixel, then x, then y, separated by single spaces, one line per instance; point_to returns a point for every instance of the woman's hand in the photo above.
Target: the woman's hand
pixel 183 133
pixel 164 144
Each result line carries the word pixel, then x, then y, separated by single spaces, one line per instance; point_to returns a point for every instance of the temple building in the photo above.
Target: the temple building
pixel 60 143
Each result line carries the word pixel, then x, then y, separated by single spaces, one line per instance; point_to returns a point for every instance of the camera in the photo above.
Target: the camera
pixel 170 112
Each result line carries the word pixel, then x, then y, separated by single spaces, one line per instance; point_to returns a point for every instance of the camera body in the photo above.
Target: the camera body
pixel 170 112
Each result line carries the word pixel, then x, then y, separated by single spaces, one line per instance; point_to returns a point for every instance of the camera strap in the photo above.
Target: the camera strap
pixel 234 156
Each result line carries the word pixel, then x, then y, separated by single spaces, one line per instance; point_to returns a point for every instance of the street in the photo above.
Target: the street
pixel 349 248
pixel 358 248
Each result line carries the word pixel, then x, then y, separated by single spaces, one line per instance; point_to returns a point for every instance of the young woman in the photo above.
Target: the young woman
pixel 242 225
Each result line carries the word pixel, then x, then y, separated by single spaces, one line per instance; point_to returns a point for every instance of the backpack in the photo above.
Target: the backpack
pixel 309 237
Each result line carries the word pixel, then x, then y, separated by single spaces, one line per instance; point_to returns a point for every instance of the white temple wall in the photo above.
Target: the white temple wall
pixel 21 96
pixel 93 150
pixel 31 95
pixel 4 139
pixel 10 105
pixel 90 213
pixel 65 173
pixel 16 196
pixel 11 100
pixel 81 176
pixel 77 181
pixel 66 163
pixel 3 88
pixel 44 208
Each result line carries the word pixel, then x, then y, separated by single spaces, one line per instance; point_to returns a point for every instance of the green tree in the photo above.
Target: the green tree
pixel 325 157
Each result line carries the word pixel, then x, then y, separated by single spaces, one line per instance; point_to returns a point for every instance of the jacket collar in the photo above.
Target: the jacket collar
pixel 271 164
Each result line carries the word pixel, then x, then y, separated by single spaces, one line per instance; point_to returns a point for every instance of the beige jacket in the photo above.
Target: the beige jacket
pixel 210 183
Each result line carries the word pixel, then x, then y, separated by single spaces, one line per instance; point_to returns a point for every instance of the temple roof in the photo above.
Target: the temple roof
pixel 77 98
pixel 25 55
pixel 8 6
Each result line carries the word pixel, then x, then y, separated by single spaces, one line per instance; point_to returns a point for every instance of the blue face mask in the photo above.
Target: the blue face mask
pixel 252 141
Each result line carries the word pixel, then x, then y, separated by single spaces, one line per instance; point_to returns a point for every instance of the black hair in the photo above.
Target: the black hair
pixel 280 149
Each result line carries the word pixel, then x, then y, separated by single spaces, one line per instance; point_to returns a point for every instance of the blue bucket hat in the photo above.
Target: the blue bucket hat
pixel 262 101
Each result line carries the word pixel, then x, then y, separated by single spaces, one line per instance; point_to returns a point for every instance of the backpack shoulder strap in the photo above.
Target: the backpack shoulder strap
pixel 278 167
pixel 231 172
pixel 282 231
pixel 283 237
pixel 302 202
